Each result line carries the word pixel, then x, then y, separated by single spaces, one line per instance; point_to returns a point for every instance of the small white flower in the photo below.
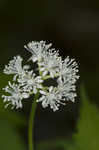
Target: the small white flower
pixel 16 95
pixel 38 49
pixel 51 98
pixel 68 70
pixel 30 82
pixel 15 67
pixel 51 63
pixel 66 89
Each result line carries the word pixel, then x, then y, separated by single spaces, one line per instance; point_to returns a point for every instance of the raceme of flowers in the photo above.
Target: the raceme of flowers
pixel 28 80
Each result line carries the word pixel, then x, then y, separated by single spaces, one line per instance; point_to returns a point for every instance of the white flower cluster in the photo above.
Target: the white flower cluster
pixel 50 66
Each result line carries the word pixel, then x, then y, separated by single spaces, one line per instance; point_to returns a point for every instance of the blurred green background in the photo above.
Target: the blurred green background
pixel 73 28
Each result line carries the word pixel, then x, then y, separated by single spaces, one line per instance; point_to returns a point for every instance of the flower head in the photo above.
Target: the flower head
pixel 28 80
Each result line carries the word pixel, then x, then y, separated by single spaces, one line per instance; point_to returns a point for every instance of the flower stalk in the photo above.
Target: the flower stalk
pixel 31 123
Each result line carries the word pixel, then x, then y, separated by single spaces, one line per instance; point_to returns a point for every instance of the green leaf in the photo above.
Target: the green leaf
pixel 87 137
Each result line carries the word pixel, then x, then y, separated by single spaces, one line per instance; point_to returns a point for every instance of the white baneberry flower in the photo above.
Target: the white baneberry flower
pixel 66 89
pixel 15 67
pixel 51 97
pixel 30 82
pixel 68 70
pixel 16 95
pixel 50 64
pixel 38 49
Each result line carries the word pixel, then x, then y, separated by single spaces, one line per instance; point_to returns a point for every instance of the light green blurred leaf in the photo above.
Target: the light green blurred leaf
pixel 87 137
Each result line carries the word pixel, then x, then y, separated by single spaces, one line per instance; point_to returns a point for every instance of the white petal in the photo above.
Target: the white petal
pixel 52 74
pixel 41 99
pixel 34 59
pixel 42 69
pixel 51 88
pixel 45 73
pixel 43 92
pixel 34 90
pixel 25 95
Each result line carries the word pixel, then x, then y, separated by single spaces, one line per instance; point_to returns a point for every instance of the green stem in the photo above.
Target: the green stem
pixel 31 123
